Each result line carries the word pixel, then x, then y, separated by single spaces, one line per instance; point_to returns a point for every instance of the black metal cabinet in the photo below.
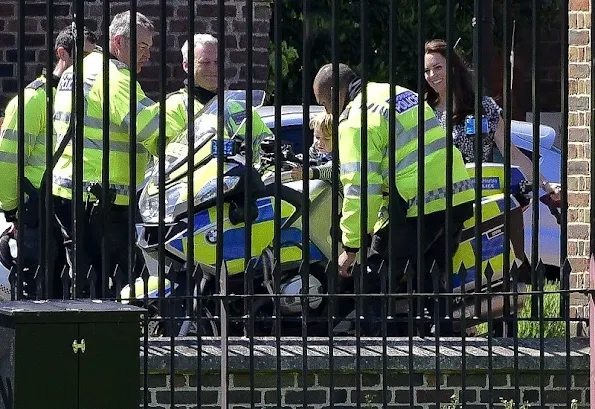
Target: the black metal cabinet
pixel 69 354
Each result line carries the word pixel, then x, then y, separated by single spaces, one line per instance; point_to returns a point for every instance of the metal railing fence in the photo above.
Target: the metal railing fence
pixel 233 261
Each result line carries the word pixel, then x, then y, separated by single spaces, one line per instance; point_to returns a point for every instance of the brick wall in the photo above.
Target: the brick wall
pixel 371 384
pixel 579 147
pixel 177 29
pixel 371 390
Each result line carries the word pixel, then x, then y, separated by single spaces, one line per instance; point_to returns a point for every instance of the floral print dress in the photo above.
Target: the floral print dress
pixel 466 143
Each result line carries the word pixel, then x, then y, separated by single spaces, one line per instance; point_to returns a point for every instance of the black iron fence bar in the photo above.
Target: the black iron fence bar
pixel 132 204
pixel 304 269
pixel 332 269
pixel 191 271
pixel 416 306
pixel 105 171
pixel 506 91
pixel 161 228
pixel 21 146
pixel 358 278
pixel 277 211
pixel 449 202
pixel 448 269
pixel 425 295
pixel 535 168
pixel 420 265
pixel 248 265
pixel 481 76
pixel 221 271
pixel 536 262
pixel 161 149
pixel 508 50
pixel 564 267
pixel 46 219
pixel 386 280
pixel 194 274
pixel 478 114
pixel 78 143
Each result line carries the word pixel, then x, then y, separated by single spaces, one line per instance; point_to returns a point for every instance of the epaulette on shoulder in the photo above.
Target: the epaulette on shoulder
pixel 171 94
pixel 38 83
pixel 119 64
pixel 345 114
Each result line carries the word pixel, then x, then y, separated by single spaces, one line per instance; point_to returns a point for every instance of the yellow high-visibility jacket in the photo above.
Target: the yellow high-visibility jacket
pixel 147 129
pixel 378 98
pixel 35 141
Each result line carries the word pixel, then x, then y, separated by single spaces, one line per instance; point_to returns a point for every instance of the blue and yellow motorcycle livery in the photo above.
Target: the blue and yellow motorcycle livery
pixel 236 169
pixel 261 211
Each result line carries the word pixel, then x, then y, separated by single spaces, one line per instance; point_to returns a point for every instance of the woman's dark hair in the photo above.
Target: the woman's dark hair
pixel 460 78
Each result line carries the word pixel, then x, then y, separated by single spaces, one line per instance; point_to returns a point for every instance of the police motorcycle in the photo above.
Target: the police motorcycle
pixel 237 167
pixel 261 210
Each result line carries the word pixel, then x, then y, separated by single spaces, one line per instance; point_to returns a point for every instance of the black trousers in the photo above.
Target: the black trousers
pixel 34 274
pixel 405 249
pixel 89 271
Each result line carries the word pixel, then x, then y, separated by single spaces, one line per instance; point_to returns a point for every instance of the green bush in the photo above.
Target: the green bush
pixel 551 309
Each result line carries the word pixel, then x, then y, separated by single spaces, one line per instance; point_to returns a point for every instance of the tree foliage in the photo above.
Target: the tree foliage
pixel 314 34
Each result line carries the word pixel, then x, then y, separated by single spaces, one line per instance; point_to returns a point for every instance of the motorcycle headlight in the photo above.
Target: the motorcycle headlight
pixel 149 205
pixel 209 190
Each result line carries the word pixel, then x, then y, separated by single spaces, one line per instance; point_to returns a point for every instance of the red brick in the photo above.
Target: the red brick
pixel 578 70
pixel 578 199
pixel 7 10
pixel 7 40
pixel 257 26
pixel 578 5
pixel 212 10
pixel 578 167
pixel 579 231
pixel 579 264
pixel 231 41
pixel 576 37
pixel 257 42
pixel 578 134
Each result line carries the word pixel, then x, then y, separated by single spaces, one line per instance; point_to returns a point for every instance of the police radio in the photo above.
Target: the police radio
pixel 470 125
pixel 470 131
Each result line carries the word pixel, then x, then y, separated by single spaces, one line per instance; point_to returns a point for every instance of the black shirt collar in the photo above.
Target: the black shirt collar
pixel 202 95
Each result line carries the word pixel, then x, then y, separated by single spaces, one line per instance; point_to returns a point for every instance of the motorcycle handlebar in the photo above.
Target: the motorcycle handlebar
pixel 525 187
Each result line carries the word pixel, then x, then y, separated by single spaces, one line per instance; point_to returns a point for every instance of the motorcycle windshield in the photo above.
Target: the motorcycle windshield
pixel 176 151
pixel 205 129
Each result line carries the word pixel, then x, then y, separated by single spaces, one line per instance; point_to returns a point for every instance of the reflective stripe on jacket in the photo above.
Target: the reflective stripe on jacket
pixel 35 140
pixel 406 107
pixel 176 112
pixel 145 140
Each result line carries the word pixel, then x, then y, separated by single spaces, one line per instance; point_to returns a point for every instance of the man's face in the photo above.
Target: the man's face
pixel 322 98
pixel 205 66
pixel 144 42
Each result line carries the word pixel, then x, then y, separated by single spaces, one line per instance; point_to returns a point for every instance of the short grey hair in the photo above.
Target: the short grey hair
pixel 120 25
pixel 199 39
